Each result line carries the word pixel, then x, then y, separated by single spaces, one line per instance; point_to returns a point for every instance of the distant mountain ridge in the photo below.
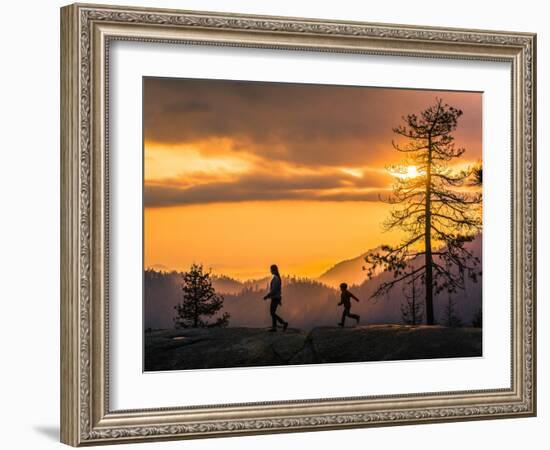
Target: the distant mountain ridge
pixel 306 302
pixel 349 271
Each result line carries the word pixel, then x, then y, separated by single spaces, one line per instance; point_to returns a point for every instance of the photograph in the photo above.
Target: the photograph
pixel 291 223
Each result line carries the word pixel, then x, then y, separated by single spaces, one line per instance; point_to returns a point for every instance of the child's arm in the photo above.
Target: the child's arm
pixel 353 296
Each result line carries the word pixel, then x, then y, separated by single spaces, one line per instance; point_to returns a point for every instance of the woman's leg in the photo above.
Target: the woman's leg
pixel 274 317
pixel 277 317
pixel 272 309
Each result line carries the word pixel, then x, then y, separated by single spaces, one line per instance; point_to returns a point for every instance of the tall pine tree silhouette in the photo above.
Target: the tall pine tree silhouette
pixel 199 300
pixel 435 206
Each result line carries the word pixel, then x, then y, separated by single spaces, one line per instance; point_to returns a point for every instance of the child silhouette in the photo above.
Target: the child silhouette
pixel 345 299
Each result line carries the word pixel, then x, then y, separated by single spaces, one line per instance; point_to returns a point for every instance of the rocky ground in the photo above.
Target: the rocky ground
pixel 244 347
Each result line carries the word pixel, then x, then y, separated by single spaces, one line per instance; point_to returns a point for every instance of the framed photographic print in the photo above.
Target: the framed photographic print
pixel 275 224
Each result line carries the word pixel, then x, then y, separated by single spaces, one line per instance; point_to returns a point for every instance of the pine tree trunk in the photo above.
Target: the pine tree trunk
pixel 428 239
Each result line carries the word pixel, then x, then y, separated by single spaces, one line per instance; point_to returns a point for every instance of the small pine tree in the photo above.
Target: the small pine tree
pixel 450 319
pixel 411 311
pixel 199 300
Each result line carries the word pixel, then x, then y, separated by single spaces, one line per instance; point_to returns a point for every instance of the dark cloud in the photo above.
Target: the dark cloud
pixel 322 187
pixel 287 128
pixel 298 123
pixel 186 107
pixel 159 196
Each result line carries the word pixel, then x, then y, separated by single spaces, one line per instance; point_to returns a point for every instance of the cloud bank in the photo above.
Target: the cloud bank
pixel 297 139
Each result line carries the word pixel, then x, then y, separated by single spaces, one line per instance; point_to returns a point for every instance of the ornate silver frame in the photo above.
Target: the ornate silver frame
pixel 86 31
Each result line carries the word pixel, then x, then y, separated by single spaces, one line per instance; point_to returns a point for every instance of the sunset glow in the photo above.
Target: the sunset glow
pixel 240 175
pixel 410 172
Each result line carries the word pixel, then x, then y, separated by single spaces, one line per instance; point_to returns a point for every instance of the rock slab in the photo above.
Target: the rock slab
pixel 209 348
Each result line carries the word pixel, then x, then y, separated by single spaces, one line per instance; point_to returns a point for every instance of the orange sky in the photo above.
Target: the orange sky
pixel 240 175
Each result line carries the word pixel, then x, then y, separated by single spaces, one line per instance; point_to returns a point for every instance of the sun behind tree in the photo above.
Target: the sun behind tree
pixel 402 171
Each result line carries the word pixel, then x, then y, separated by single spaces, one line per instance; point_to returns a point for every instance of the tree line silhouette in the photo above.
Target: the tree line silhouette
pixel 307 299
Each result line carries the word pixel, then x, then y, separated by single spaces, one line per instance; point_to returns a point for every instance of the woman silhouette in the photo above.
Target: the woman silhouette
pixel 275 295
